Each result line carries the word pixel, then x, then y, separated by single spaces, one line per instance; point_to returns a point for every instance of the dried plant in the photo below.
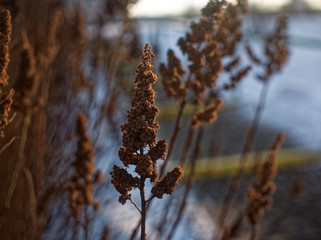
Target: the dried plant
pixel 207 115
pixel 27 82
pixel 5 29
pixel 258 196
pixel 211 39
pixel 84 178
pixel 6 99
pixel 276 53
pixel 140 146
pixel 5 107
pixel 51 51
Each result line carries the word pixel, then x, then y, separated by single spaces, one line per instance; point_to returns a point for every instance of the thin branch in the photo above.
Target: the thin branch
pixel 150 199
pixel 32 196
pixel 131 200
pixel 174 135
pixel 243 158
pixel 143 212
pixel 8 144
pixel 190 181
pixel 253 233
pixel 12 118
pixel 20 161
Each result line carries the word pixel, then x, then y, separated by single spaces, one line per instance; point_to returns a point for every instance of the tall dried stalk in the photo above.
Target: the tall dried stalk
pixel 258 196
pixel 140 146
pixel 276 53
pixel 84 178
pixel 212 38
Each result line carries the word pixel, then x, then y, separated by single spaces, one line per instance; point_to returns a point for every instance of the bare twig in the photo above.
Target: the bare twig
pixel 8 144
pixel 131 200
pixel 32 196
pixel 243 158
pixel 190 181
pixel 20 160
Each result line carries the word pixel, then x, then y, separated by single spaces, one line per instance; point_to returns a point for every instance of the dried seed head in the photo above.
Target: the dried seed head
pixel 258 196
pixel 140 130
pixel 158 151
pixel 276 49
pixel 145 166
pixel 236 78
pixel 171 76
pixel 251 55
pixel 123 182
pixel 214 8
pixel 140 146
pixel 168 183
pixel 213 37
pixel 207 115
pixel 5 107
pixel 297 187
pixel 243 6
pixel 231 65
pixel 26 84
pixel 5 32
pixel 84 178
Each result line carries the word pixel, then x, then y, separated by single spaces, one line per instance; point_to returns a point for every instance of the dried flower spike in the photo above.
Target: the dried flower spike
pixel 5 107
pixel 258 196
pixel 26 84
pixel 84 178
pixel 171 77
pixel 276 49
pixel 5 32
pixel 168 183
pixel 140 146
pixel 207 115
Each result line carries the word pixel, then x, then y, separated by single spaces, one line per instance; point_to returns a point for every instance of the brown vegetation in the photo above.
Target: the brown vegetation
pixel 55 70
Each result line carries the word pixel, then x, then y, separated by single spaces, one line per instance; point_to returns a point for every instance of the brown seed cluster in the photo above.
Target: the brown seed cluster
pixel 140 146
pixel 84 178
pixel 207 115
pixel 237 77
pixel 6 99
pixel 243 6
pixel 209 40
pixel 252 55
pixel 26 84
pixel 140 131
pixel 5 32
pixel 123 183
pixel 297 187
pixel 5 107
pixel 258 196
pixel 171 76
pixel 235 62
pixel 229 33
pixel 276 49
pixel 168 183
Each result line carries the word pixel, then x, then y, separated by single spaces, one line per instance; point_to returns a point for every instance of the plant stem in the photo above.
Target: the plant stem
pixel 177 128
pixel 246 149
pixel 87 222
pixel 253 233
pixel 143 208
pixel 190 181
